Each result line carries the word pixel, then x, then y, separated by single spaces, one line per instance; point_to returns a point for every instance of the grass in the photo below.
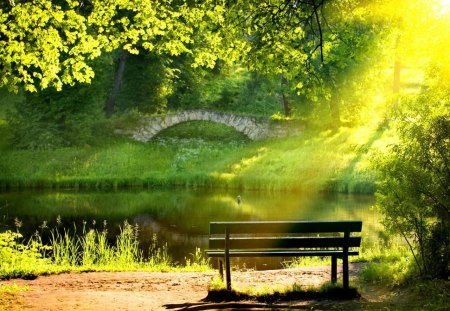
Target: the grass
pixel 421 295
pixel 89 251
pixel 387 273
pixel 435 294
pixel 323 161
pixel 386 264
pixel 13 288
pixel 218 293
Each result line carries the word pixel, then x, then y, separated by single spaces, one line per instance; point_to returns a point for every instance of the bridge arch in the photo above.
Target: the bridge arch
pixel 253 127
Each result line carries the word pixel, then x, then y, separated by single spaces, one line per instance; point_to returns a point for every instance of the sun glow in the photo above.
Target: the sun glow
pixel 422 38
pixel 442 7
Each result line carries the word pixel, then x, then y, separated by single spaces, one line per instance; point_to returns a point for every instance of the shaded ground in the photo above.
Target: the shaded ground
pixel 185 291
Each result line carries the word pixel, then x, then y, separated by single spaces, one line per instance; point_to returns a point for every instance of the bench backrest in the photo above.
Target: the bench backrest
pixel 284 234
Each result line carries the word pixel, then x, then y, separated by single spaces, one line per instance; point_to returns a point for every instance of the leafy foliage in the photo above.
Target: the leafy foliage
pixel 19 259
pixel 50 43
pixel 225 88
pixel 147 83
pixel 51 118
pixel 414 194
pixel 319 46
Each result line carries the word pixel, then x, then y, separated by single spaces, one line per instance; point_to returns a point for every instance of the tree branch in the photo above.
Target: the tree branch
pixel 315 8
pixel 412 251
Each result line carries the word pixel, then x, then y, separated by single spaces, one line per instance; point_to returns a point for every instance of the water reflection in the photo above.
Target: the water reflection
pixel 179 217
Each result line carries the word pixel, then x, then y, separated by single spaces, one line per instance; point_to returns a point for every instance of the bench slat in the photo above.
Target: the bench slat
pixel 284 242
pixel 280 253
pixel 242 227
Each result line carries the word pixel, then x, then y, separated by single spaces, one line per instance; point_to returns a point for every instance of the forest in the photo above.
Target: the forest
pixel 366 81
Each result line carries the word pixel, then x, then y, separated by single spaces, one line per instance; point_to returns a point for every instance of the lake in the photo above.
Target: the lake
pixel 178 217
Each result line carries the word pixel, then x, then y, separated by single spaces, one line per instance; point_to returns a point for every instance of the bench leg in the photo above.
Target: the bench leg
pixel 228 273
pixel 333 269
pixel 221 268
pixel 345 273
pixel 345 261
pixel 227 259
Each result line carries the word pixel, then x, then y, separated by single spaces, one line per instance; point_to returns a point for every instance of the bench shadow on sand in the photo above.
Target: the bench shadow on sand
pixel 295 300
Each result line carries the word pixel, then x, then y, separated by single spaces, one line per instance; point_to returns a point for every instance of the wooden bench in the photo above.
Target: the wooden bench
pixel 284 239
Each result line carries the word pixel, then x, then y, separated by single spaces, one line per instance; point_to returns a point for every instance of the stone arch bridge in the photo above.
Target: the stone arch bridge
pixel 254 127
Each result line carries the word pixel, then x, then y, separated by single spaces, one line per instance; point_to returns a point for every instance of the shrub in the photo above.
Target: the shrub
pixel 414 192
pixel 20 260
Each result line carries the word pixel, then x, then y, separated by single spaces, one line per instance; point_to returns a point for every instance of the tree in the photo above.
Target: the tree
pixel 414 189
pixel 315 44
pixel 43 45
pixel 414 193
pixel 73 116
pixel 147 83
pixel 110 103
pixel 310 42
pixel 49 43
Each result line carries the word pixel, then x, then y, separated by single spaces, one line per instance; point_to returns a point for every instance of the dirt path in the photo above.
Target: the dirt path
pixel 110 291
pixel 153 290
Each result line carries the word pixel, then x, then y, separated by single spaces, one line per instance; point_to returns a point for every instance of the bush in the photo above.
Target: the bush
pixel 20 260
pixel 414 193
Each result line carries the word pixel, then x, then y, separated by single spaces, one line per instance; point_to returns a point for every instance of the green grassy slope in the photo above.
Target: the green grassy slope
pixel 317 160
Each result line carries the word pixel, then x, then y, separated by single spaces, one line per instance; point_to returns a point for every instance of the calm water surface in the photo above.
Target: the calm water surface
pixel 179 218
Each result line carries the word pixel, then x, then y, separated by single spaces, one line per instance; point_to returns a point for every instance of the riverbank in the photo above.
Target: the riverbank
pixel 325 160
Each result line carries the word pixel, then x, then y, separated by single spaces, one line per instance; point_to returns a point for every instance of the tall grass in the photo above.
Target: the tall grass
pixel 65 248
pixel 159 256
pixel 127 252
pixel 89 251
pixel 389 264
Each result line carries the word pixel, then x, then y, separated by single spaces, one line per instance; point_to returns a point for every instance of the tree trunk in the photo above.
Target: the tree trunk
pixel 396 84
pixel 109 108
pixel 335 110
pixel 284 98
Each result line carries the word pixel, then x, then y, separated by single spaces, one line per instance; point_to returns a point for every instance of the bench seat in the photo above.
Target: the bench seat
pixel 282 253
